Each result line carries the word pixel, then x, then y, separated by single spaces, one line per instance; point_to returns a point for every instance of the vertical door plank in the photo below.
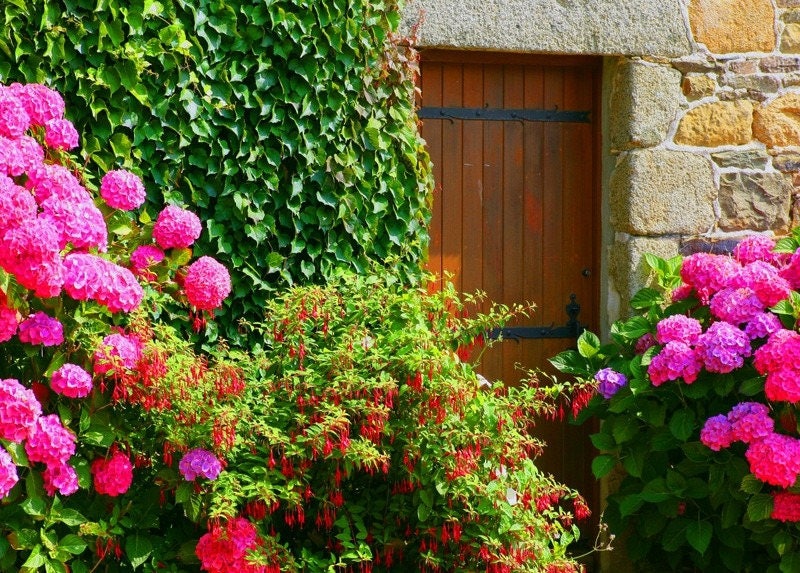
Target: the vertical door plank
pixel 431 94
pixel 452 173
pixel 472 183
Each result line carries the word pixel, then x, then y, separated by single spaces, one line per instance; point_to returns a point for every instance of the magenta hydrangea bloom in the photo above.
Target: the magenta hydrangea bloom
pixel 755 248
pixel 14 120
pixel 609 382
pixel 79 223
pixel 785 506
pixel 750 421
pixel 765 281
pixel 791 272
pixel 61 478
pixel 783 384
pixel 71 381
pixel 782 348
pixel 60 134
pixel 717 433
pixel 8 473
pixel 762 325
pixel 207 283
pixel 31 153
pixel 9 319
pixel 50 442
pixel 723 348
pixel 49 180
pixel 198 462
pixel 647 340
pixel 39 328
pixel 89 277
pixel 176 228
pixel 775 460
pixel 736 305
pixel 17 205
pixel 122 189
pixel 676 360
pixel 225 549
pixel 41 102
pixel 19 410
pixel 12 159
pixel 112 476
pixel 31 253
pixel 143 257
pixel 117 350
pixel 678 328
pixel 708 273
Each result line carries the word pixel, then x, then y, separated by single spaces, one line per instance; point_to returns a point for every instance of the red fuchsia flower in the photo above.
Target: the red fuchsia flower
pixel 16 204
pixel 122 189
pixel 60 134
pixel 71 381
pixel 8 473
pixel 762 325
pixel 207 283
pixel 775 459
pixel 14 120
pixel 30 252
pixel 40 102
pixel 19 410
pixel 78 222
pixel 717 433
pixel 39 328
pixel 708 273
pixel 117 351
pixel 755 248
pixel 50 442
pixel 765 281
pixel 199 462
pixel 225 548
pixel 678 328
pixel 736 305
pixel 176 228
pixel 609 382
pixel 676 360
pixel 112 476
pixel 785 506
pixel 61 478
pixel 750 421
pixel 723 348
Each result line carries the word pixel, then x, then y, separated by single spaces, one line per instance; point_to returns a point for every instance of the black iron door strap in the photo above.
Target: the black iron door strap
pixel 572 329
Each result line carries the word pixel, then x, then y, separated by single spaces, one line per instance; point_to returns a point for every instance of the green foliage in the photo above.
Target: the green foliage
pixel 287 125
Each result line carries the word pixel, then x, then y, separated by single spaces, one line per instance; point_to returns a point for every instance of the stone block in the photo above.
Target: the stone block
pixel 717 123
pixel 788 3
pixel 726 26
pixel 791 16
pixel 660 192
pixel 755 201
pixel 697 63
pixel 787 161
pixel 743 66
pixel 696 86
pixel 644 101
pixel 763 83
pixel 790 39
pixel 777 123
pixel 779 64
pixel 742 159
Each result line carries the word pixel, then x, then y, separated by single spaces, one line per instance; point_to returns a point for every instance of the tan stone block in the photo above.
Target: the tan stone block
pixel 790 39
pixel 777 123
pixel 755 201
pixel 779 64
pixel 717 123
pixel 696 86
pixel 727 26
pixel 743 66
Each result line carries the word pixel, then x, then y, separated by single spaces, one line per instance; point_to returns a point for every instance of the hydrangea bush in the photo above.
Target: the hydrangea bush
pixel 698 397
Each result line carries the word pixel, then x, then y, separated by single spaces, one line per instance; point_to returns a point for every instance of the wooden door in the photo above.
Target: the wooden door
pixel 514 140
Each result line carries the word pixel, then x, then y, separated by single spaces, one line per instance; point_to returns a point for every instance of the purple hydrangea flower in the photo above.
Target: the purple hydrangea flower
pixel 717 433
pixel 610 381
pixel 199 462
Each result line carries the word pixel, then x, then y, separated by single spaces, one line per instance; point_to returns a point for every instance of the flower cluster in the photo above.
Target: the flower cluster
pixel 199 462
pixel 207 284
pixel 225 548
pixel 122 190
pixel 609 382
pixel 112 476
pixel 72 381
pixel 176 228
pixel 118 351
pixel 39 328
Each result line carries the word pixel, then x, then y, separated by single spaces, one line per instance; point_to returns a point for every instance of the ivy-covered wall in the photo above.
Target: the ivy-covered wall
pixel 288 125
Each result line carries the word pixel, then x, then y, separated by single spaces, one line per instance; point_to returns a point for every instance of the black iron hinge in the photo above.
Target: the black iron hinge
pixel 572 329
pixel 493 114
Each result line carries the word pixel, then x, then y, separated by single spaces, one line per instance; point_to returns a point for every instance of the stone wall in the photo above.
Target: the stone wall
pixel 706 146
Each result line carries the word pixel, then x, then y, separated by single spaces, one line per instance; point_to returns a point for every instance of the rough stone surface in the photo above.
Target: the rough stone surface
pixel 742 159
pixel 696 86
pixel 796 210
pixel 790 39
pixel 712 246
pixel 791 16
pixel 717 123
pixel 788 161
pixel 660 192
pixel 788 3
pixel 727 26
pixel 779 64
pixel 627 268
pixel 644 101
pixel 777 123
pixel 645 27
pixel 697 63
pixel 743 66
pixel 753 82
pixel 755 201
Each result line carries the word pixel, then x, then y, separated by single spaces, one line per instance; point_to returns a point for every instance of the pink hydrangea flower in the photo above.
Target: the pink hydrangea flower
pixel 49 180
pixel 112 476
pixel 30 252
pixel 783 384
pixel 19 410
pixel 122 189
pixel 765 281
pixel 61 478
pixel 8 473
pixel 41 102
pixel 40 328
pixel 50 442
pixel 750 421
pixel 79 223
pixel 791 272
pixel 146 255
pixel 717 433
pixel 14 120
pixel 31 153
pixel 198 462
pixel 775 460
pixel 678 328
pixel 12 159
pixel 9 319
pixel 176 228
pixel 117 351
pixel 71 381
pixel 708 273
pixel 785 506
pixel 755 248
pixel 736 305
pixel 676 360
pixel 723 348
pixel 782 347
pixel 762 325
pixel 89 277
pixel 225 549
pixel 647 340
pixel 17 206
pixel 60 134
pixel 207 283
